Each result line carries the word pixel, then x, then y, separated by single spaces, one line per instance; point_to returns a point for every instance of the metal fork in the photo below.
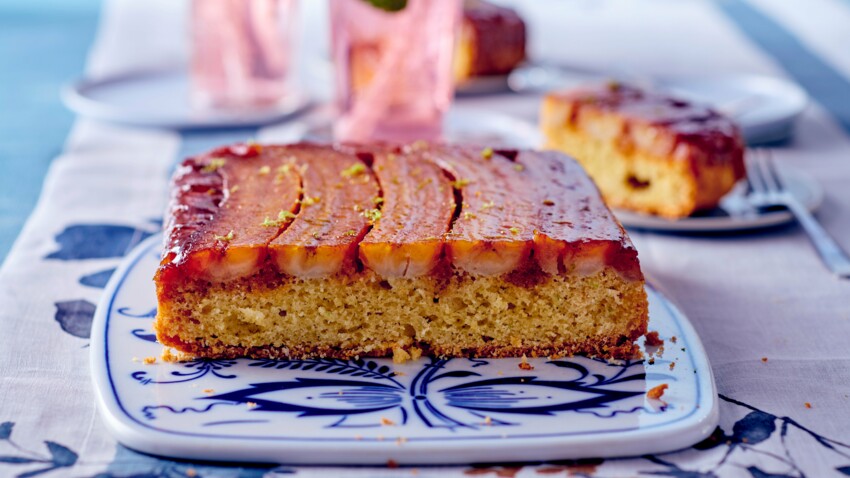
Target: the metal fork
pixel 767 189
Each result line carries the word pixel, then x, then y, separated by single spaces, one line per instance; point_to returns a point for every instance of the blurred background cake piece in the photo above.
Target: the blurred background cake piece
pixel 492 41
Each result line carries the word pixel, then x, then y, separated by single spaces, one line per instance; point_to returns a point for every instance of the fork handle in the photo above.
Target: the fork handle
pixel 829 251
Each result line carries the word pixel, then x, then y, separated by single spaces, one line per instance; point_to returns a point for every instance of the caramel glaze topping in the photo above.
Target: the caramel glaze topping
pixel 574 228
pixel 337 210
pixel 499 37
pixel 417 207
pixel 220 202
pixel 676 123
pixel 494 231
pixel 313 211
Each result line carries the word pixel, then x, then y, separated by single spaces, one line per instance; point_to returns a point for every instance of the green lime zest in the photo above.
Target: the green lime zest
pixel 391 6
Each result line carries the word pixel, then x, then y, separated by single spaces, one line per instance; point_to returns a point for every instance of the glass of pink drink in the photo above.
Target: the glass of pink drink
pixel 241 52
pixel 393 69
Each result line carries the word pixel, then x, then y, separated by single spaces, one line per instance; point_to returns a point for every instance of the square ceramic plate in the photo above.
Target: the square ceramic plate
pixel 370 411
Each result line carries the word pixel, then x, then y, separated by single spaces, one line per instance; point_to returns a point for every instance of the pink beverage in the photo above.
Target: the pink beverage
pixel 393 69
pixel 240 52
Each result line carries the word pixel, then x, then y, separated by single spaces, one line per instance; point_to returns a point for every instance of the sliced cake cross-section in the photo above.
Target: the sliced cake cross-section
pixel 307 250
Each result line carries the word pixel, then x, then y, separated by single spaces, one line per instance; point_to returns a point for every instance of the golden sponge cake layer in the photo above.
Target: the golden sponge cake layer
pixel 364 315
pixel 448 250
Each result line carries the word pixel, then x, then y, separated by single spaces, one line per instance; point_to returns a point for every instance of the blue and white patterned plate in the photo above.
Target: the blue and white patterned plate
pixel 371 411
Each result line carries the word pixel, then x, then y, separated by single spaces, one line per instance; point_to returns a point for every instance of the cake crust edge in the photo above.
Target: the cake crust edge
pixel 621 348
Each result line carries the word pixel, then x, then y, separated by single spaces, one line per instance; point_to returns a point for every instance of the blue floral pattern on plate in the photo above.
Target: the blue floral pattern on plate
pixel 371 410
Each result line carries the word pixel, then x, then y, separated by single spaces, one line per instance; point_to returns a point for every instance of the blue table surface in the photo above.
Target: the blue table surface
pixel 43 45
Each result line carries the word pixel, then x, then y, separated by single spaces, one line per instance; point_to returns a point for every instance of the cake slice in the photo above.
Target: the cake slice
pixel 491 41
pixel 647 152
pixel 307 250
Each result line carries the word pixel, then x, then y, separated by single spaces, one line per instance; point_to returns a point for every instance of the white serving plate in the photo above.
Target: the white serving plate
pixel 160 98
pixel 765 108
pixel 443 411
pixel 483 85
pixel 734 212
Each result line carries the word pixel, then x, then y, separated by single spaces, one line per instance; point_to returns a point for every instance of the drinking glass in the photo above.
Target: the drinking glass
pixel 393 69
pixel 241 52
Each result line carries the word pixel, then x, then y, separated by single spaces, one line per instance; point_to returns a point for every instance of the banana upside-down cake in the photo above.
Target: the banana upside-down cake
pixel 647 151
pixel 491 41
pixel 309 250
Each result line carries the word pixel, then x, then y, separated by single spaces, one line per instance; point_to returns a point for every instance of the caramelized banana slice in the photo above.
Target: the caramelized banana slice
pixel 575 232
pixel 417 208
pixel 222 204
pixel 494 232
pixel 336 211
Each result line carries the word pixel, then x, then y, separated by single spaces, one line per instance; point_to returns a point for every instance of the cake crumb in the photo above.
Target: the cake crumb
pixel 400 355
pixel 488 421
pixel 653 340
pixel 672 365
pixel 400 441
pixel 136 359
pixel 387 422
pixel 651 361
pixel 167 356
pixel 358 437
pixel 251 405
pixel 673 339
pixel 171 356
pixel 764 359
pixel 414 471
pixel 657 392
pixel 149 360
pixel 379 438
pixel 209 391
pixel 415 353
pixel 524 365
pixel 808 405
pixel 190 472
pixel 392 464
